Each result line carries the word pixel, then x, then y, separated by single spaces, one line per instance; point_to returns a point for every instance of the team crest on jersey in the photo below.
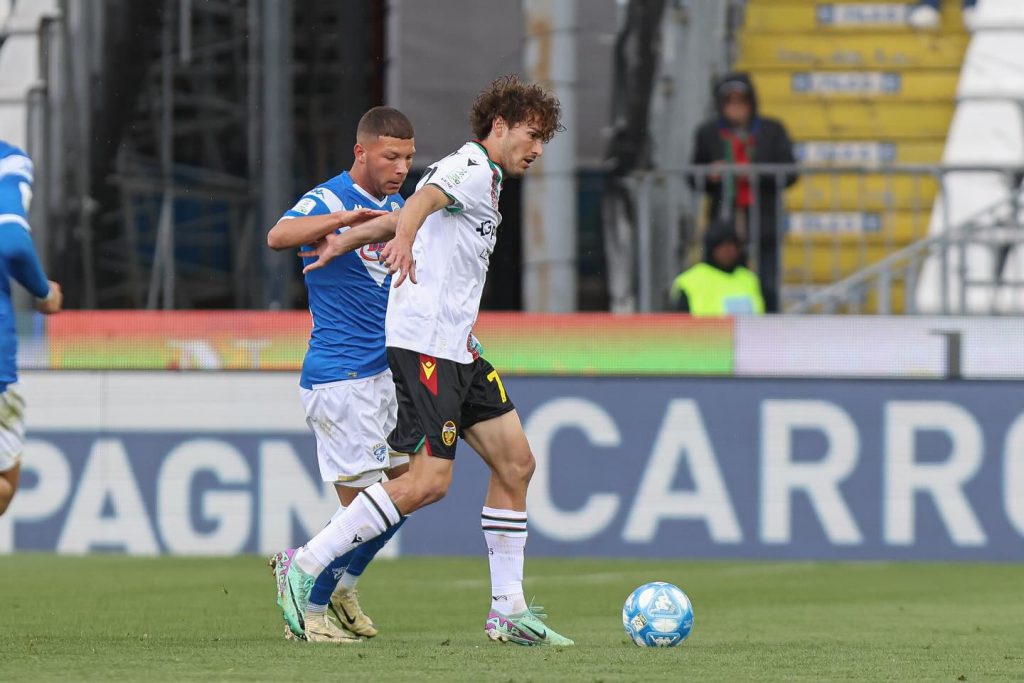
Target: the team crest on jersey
pixel 448 433
pixel 380 452
pixel 395 206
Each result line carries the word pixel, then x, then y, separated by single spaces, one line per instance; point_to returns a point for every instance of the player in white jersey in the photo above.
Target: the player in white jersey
pixel 346 385
pixel 443 242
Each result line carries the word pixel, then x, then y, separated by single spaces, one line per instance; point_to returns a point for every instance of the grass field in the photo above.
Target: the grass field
pixel 117 618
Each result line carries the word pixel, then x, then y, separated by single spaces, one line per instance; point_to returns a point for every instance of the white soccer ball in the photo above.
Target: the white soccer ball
pixel 657 614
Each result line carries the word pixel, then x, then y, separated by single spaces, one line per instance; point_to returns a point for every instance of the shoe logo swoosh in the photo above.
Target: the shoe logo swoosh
pixel 344 611
pixel 540 634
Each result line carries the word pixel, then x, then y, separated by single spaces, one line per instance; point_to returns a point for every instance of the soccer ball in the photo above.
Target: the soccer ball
pixel 657 614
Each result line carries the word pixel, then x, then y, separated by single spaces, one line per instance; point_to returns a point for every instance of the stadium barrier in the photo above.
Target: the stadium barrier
pixel 588 344
pixel 222 463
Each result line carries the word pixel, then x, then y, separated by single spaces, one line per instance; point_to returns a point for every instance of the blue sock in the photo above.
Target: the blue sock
pixel 367 551
pixel 328 578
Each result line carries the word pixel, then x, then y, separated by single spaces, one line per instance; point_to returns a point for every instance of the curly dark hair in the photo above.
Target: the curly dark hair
pixel 516 102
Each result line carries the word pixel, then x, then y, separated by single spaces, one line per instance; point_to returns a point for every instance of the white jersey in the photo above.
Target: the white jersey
pixel 452 251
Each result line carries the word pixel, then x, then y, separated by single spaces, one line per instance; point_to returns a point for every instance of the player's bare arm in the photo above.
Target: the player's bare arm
pixel 397 254
pixel 331 246
pixel 290 233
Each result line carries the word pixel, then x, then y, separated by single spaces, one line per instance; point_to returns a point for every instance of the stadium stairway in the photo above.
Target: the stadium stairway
pixel 855 86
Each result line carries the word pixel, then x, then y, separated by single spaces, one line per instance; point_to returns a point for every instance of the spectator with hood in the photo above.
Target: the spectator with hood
pixel 719 285
pixel 740 135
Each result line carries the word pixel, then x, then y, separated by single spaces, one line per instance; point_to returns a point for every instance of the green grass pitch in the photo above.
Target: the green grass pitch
pixel 115 618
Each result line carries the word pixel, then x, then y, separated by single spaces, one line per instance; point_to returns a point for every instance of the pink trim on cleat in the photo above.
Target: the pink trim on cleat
pixel 282 563
pixel 499 628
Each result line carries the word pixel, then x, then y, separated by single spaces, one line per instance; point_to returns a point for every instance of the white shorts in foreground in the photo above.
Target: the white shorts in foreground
pixel 351 420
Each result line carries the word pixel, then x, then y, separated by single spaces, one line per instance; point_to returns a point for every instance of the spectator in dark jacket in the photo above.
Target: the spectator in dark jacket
pixel 740 135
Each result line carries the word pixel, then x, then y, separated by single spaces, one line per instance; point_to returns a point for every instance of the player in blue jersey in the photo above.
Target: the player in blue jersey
pixel 18 260
pixel 346 385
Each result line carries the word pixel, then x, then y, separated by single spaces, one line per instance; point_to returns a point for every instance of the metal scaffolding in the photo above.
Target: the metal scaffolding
pixel 169 136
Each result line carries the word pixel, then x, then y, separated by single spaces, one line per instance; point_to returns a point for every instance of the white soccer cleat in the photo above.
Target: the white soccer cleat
pixel 345 605
pixel 320 629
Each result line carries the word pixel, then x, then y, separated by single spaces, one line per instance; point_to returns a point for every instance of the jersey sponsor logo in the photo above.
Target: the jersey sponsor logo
pixel 305 205
pixel 428 373
pixel 371 252
pixel 487 228
pixel 380 452
pixel 448 433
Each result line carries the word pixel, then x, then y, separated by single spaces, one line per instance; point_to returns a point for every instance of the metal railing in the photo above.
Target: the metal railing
pixel 998 227
pixel 849 236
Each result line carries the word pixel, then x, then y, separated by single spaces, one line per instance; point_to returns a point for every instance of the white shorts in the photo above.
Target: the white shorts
pixel 12 428
pixel 351 420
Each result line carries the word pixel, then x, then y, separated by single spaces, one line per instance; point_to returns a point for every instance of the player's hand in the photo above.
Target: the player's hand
pixel 324 250
pixel 357 216
pixel 397 257
pixel 52 303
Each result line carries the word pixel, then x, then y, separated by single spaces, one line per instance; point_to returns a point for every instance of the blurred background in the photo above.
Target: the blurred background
pixel 170 135
pixel 850 170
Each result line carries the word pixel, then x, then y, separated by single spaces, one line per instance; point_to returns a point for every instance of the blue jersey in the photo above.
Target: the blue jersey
pixel 348 298
pixel 17 254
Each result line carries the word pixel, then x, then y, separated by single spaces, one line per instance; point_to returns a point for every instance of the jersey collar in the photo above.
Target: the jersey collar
pixel 494 167
pixel 360 190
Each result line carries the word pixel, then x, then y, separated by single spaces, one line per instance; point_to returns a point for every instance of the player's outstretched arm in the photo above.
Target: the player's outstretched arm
pixel 289 233
pixel 397 254
pixel 331 246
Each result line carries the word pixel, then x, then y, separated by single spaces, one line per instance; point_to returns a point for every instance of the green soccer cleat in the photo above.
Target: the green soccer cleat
pixel 294 587
pixel 523 628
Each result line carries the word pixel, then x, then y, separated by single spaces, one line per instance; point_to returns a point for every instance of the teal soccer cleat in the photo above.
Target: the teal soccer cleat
pixel 523 628
pixel 293 589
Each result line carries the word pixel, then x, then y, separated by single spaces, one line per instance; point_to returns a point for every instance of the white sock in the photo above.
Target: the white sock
pixel 337 513
pixel 505 534
pixel 315 609
pixel 348 581
pixel 369 515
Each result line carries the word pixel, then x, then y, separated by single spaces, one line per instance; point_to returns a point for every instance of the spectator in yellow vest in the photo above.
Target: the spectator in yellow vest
pixel 719 285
